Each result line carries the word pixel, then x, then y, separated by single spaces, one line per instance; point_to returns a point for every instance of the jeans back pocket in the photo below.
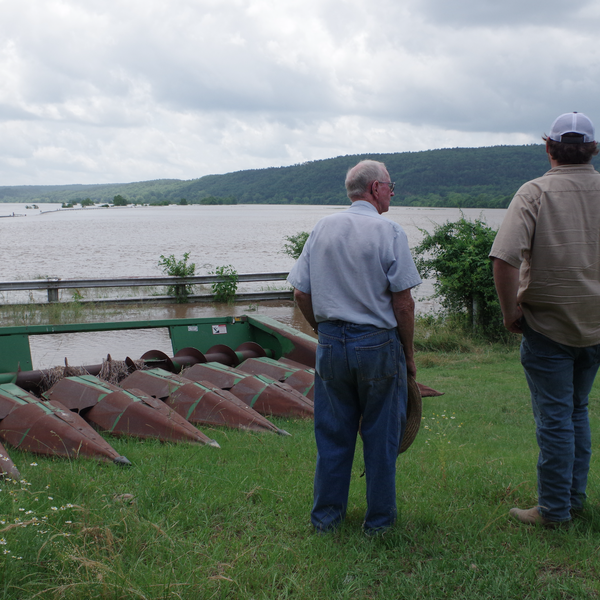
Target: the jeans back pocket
pixel 377 362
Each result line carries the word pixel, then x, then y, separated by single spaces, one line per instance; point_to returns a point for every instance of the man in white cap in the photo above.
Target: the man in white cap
pixel 547 273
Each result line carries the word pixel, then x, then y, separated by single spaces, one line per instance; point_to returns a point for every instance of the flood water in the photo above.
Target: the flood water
pixel 128 242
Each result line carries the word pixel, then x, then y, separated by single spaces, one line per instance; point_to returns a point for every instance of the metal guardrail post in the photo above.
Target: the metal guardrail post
pixel 53 291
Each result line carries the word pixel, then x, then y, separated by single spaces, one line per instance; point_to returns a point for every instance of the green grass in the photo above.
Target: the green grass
pixel 54 313
pixel 234 522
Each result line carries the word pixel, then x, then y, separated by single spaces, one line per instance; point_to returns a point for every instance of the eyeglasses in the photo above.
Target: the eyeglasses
pixel 392 184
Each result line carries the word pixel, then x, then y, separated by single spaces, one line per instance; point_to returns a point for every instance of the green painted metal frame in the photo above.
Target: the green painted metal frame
pixel 201 333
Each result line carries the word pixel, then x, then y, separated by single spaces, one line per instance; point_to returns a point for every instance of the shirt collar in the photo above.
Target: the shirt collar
pixel 588 167
pixel 363 206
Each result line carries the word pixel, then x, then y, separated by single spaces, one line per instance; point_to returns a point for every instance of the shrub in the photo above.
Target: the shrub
pixel 178 268
pixel 224 291
pixel 295 244
pixel 456 254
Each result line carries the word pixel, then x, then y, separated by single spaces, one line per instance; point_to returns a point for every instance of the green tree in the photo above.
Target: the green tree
pixel 456 254
pixel 87 202
pixel 225 291
pixel 178 268
pixel 118 200
pixel 295 244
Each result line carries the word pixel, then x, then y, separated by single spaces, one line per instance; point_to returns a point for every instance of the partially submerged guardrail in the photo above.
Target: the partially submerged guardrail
pixel 53 285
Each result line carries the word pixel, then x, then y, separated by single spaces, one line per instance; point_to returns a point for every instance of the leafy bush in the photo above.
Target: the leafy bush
pixel 224 291
pixel 295 244
pixel 456 254
pixel 178 268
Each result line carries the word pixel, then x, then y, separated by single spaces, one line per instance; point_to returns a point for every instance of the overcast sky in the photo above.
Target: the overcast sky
pixel 97 91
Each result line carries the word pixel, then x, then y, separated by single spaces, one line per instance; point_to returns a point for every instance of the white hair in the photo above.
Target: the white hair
pixel 360 177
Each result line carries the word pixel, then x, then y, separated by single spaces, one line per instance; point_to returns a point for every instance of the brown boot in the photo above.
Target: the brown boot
pixel 533 516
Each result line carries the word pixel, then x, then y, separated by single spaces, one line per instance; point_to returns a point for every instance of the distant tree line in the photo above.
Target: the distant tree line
pixel 456 177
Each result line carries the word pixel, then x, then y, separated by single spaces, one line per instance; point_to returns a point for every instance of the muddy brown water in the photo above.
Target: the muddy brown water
pixel 128 242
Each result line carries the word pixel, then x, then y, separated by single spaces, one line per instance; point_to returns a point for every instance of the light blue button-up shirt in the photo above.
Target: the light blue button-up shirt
pixel 351 264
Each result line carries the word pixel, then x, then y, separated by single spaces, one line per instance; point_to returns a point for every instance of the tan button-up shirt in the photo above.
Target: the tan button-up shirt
pixel 551 232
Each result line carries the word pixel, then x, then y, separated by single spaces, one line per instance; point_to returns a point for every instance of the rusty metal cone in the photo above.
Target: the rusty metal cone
pixel 122 412
pixel 199 401
pixel 281 399
pixel 302 380
pixel 263 394
pixel 270 397
pixel 31 425
pixel 133 413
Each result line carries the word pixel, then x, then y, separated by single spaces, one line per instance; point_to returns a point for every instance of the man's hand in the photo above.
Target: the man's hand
pixel 304 302
pixel 506 278
pixel 411 368
pixel 512 321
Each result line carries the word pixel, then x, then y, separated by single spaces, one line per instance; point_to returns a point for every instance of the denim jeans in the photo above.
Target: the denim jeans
pixel 560 378
pixel 360 372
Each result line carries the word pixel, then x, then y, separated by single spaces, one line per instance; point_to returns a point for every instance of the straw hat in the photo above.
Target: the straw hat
pixel 414 410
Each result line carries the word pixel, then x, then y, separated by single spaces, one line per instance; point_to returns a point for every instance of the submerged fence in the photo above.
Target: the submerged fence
pixel 40 289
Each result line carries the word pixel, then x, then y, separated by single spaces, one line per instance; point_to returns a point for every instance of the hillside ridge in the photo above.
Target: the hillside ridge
pixel 484 177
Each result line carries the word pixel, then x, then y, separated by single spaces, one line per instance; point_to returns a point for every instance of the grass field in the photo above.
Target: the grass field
pixel 195 522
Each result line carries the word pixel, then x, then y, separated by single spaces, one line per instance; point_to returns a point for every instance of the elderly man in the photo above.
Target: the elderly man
pixel 352 284
pixel 547 274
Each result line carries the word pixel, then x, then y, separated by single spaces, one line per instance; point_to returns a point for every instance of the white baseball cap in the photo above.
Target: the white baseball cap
pixel 573 122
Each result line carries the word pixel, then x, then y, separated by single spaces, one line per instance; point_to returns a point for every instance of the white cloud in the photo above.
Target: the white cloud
pixel 104 92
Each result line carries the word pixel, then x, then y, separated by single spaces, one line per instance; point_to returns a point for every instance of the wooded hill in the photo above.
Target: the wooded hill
pixel 458 177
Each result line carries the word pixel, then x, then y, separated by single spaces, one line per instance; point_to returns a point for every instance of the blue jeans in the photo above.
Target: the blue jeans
pixel 560 378
pixel 360 372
